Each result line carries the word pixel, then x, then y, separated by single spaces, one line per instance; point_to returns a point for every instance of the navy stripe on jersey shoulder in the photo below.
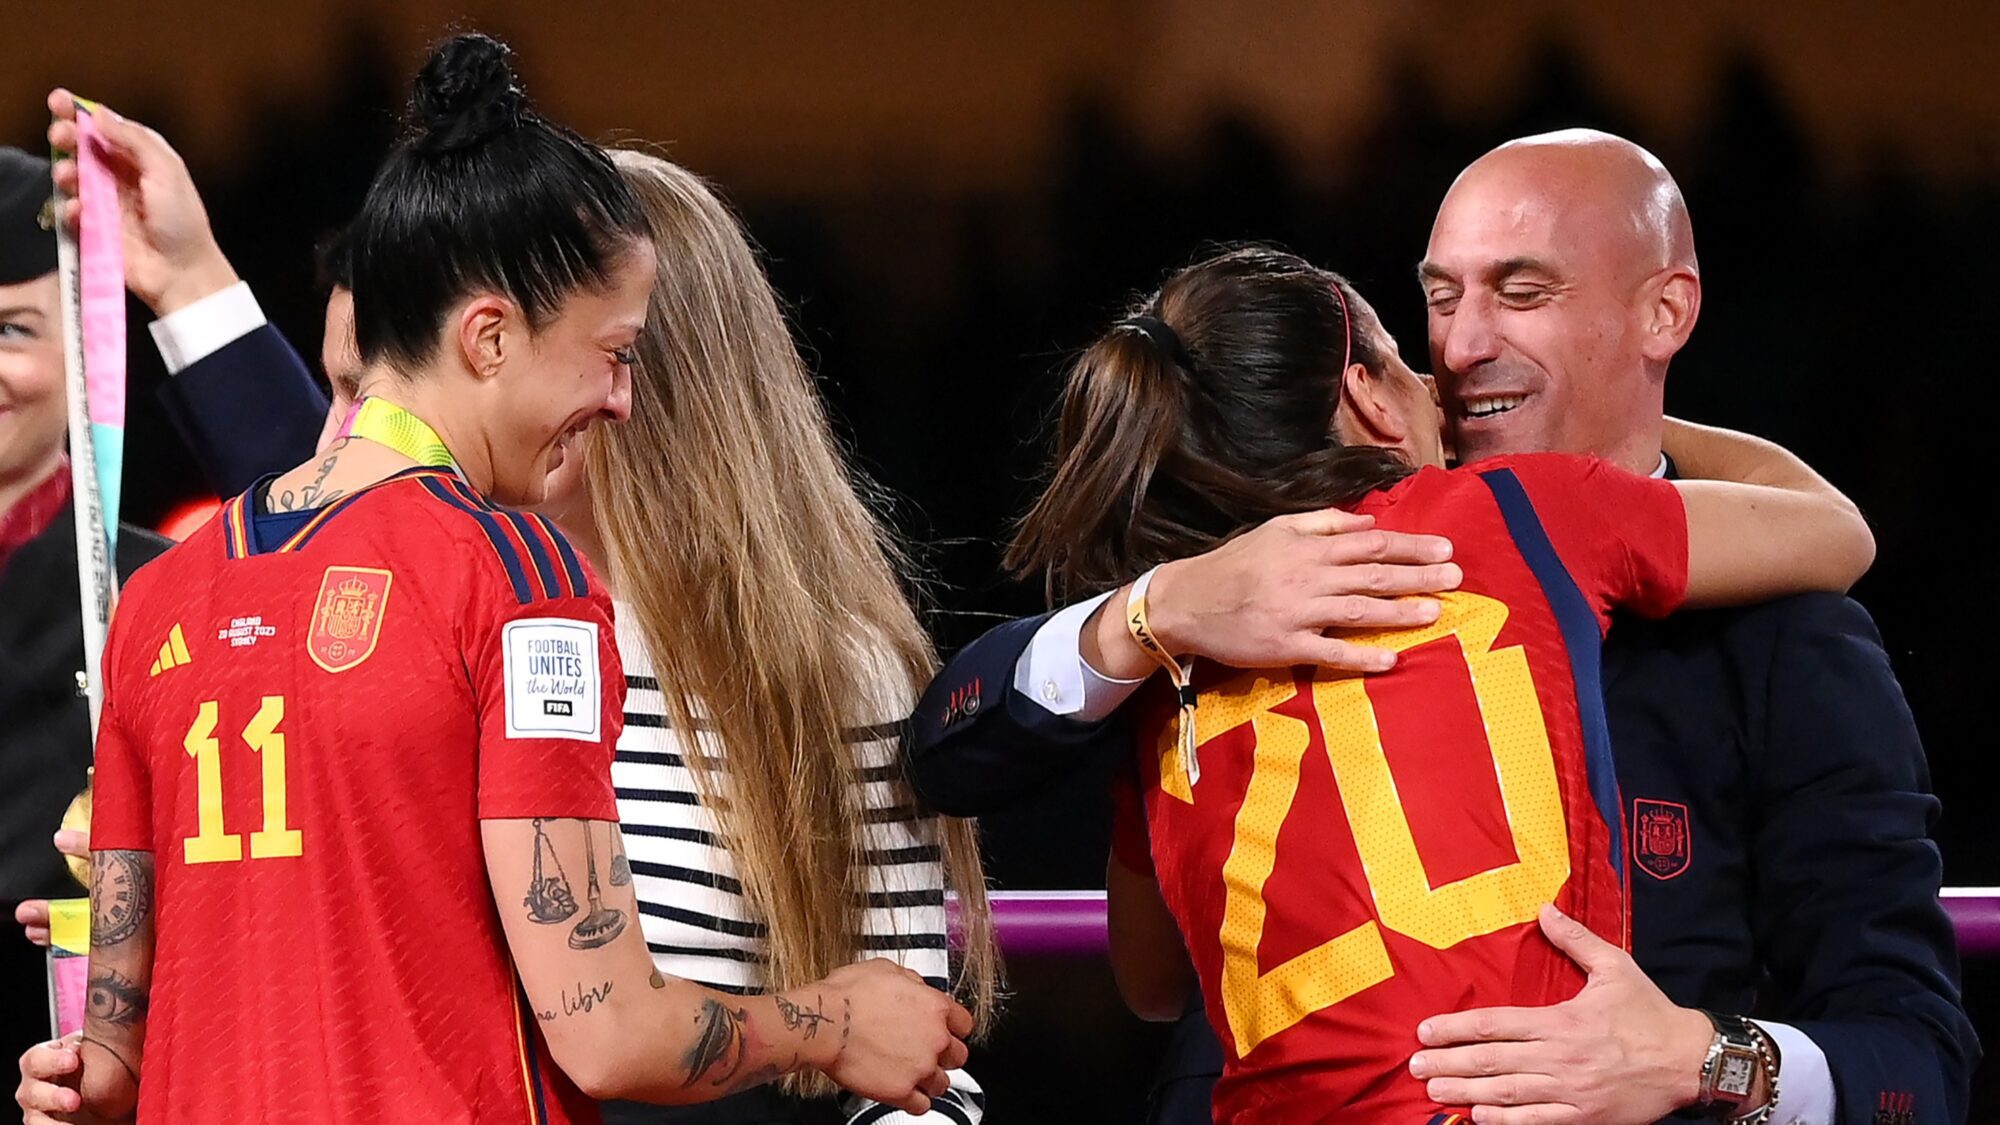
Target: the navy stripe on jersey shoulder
pixel 510 558
pixel 1581 640
pixel 545 567
pixel 579 585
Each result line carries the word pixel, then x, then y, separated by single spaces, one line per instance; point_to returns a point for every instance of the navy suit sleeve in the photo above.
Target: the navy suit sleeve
pixel 976 746
pixel 1861 955
pixel 247 409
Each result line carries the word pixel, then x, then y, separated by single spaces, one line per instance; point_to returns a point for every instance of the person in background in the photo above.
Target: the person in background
pixel 45 743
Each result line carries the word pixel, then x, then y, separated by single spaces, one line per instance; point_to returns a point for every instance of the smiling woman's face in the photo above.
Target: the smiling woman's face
pixel 32 419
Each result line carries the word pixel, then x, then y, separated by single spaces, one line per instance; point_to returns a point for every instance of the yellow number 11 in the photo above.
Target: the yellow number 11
pixel 210 844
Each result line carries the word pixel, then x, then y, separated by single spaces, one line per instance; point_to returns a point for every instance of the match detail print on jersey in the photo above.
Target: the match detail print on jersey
pixel 554 689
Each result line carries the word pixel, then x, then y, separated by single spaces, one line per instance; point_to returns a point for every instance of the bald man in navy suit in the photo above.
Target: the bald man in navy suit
pixel 1772 778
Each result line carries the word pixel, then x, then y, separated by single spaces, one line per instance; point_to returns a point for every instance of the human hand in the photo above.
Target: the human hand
pixel 898 1036
pixel 1268 597
pixel 171 256
pixel 49 1074
pixel 1618 1053
pixel 33 914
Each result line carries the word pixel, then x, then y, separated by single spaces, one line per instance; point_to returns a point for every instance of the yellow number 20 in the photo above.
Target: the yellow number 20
pixel 1261 1004
pixel 210 843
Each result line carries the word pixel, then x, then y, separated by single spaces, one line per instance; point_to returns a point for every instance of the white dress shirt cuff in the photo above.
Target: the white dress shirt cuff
pixel 1805 1081
pixel 1053 672
pixel 191 334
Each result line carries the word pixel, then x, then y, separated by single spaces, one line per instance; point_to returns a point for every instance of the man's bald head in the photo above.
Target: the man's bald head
pixel 1602 178
pixel 1561 278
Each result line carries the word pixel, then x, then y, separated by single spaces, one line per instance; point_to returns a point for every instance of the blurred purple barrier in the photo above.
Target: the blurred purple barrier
pixel 1071 923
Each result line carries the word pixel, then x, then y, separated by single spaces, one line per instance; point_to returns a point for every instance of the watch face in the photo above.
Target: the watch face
pixel 1736 1073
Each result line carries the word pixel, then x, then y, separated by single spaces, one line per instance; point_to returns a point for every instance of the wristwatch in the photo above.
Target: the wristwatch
pixel 1739 1051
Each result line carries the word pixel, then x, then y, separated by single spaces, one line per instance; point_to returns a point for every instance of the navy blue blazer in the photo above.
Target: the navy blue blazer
pixel 1780 811
pixel 247 409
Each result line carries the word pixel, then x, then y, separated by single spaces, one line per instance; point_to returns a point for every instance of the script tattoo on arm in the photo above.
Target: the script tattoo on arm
pixel 121 896
pixel 717 1052
pixel 584 1000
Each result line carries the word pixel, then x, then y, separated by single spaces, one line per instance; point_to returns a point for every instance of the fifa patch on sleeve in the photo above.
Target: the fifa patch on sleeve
pixel 553 686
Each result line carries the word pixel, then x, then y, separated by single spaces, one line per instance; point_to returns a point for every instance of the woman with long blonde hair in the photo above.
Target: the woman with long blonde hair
pixel 771 654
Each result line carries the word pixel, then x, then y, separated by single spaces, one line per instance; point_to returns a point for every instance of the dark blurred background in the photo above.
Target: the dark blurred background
pixel 953 198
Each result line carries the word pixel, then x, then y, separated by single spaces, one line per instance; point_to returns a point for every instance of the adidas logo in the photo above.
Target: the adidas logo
pixel 173 652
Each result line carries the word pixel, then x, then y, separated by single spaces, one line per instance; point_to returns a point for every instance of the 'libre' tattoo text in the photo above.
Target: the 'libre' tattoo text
pixel 580 1004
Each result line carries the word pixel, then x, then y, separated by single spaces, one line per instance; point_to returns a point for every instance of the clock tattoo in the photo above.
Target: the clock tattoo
pixel 121 895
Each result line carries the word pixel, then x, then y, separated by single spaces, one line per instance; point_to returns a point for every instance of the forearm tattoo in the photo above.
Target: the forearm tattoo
pixel 113 1052
pixel 800 1018
pixel 717 1052
pixel 121 896
pixel 116 999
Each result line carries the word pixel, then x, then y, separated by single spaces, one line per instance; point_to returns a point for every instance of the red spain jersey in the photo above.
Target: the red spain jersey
pixel 1351 855
pixel 306 731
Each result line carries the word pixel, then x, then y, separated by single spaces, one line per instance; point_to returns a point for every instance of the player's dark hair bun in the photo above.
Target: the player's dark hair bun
pixel 481 194
pixel 466 93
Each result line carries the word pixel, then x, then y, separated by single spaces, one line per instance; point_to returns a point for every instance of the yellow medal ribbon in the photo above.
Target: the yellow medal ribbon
pixel 385 423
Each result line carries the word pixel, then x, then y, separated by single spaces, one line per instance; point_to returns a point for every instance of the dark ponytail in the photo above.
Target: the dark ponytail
pixel 1206 411
pixel 481 194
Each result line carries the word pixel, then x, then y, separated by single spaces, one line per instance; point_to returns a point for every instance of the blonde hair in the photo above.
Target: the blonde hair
pixel 767 592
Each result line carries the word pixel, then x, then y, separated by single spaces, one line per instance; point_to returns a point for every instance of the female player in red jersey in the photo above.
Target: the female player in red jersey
pixel 408 694
pixel 1337 857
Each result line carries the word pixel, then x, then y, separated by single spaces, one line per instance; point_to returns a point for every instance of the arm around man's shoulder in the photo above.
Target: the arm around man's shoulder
pixel 1861 955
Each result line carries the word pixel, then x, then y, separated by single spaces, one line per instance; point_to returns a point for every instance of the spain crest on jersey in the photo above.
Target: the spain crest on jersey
pixel 347 616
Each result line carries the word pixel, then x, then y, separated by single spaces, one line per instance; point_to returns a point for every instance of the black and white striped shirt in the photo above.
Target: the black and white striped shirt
pixel 696 921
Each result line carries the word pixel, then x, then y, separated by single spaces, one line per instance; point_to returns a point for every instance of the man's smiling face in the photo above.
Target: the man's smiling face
pixel 1537 278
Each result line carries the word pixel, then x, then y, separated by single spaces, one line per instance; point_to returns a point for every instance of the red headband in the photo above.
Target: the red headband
pixel 1346 328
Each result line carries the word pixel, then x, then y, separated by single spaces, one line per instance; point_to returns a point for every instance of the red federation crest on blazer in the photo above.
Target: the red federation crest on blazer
pixel 347 616
pixel 1662 843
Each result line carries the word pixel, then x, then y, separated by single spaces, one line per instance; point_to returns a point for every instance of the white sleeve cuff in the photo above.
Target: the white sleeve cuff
pixel 1805 1081
pixel 189 335
pixel 1053 672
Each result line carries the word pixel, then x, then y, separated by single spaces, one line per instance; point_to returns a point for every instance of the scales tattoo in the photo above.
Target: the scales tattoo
pixel 602 923
pixel 550 899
